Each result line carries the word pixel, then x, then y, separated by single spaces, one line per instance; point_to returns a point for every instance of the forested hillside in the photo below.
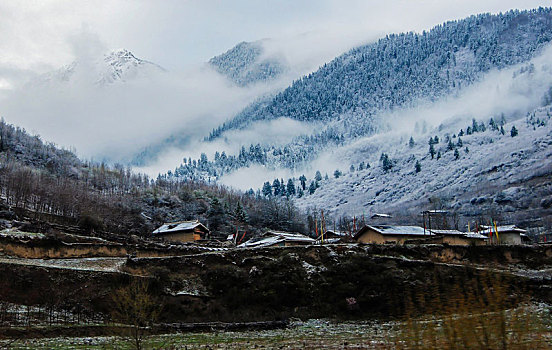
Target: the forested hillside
pixel 247 63
pixel 402 70
pixel 41 178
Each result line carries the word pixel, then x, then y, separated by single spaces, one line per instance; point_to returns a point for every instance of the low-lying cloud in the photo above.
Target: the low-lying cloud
pixel 116 120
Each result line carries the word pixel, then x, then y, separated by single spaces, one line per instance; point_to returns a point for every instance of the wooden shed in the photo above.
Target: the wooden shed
pixel 182 231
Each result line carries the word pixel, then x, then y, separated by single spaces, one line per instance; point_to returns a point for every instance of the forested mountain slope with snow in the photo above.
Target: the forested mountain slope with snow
pixel 248 63
pixel 490 73
pixel 401 70
pixel 359 93
pixel 501 171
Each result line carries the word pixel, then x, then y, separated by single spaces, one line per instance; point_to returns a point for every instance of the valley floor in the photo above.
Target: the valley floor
pixel 312 334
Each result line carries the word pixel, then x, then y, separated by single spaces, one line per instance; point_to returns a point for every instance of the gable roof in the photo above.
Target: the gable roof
pixel 174 227
pixel 274 237
pixel 458 233
pixel 336 233
pixel 395 230
pixel 289 236
pixel 380 215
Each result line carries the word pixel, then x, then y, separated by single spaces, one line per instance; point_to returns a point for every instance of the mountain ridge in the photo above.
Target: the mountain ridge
pixel 115 66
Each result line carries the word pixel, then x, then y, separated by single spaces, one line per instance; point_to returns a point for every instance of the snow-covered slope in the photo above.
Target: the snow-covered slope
pixel 401 70
pixel 492 174
pixel 117 66
pixel 248 63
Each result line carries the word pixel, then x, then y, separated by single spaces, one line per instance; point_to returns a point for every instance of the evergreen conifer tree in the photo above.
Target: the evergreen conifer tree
pixel 303 181
pixel 312 187
pixel 290 188
pixel 318 176
pixel 276 187
pixel 240 215
pixel 267 189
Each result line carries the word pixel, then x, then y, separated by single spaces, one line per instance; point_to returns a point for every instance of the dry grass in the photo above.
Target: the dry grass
pixel 484 313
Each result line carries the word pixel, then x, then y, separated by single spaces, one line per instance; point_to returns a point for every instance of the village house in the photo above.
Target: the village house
pixel 507 234
pixel 182 231
pixel 455 237
pixel 381 234
pixel 277 238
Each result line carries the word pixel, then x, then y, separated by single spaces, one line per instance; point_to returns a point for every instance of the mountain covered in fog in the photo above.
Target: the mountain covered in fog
pixel 401 70
pixel 353 95
pixel 248 63
pixel 118 66
pixel 490 73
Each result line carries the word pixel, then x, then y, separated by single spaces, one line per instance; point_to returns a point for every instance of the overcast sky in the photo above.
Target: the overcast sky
pixel 40 34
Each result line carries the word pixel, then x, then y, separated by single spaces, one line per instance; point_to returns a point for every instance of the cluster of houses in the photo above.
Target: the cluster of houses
pixel 194 231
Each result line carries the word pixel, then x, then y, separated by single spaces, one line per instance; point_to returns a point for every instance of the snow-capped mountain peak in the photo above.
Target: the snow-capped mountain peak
pixel 122 65
pixel 114 67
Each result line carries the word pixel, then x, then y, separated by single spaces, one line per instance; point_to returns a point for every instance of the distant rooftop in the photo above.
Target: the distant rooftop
pixel 337 233
pixel 458 233
pixel 502 229
pixel 275 237
pixel 401 230
pixel 378 215
pixel 178 226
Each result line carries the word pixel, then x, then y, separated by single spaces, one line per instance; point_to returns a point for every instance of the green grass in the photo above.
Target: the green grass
pixel 310 335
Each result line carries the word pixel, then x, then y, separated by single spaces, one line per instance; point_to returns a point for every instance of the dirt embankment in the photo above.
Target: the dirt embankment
pixel 351 281
pixel 55 248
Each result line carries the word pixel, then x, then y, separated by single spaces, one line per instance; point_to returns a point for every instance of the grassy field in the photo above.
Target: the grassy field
pixel 313 334
pixel 446 332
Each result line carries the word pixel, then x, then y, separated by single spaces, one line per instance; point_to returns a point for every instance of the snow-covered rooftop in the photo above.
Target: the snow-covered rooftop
pixel 474 235
pixel 503 228
pixel 328 241
pixel 378 215
pixel 401 230
pixel 447 232
pixel 178 226
pixel 458 233
pixel 337 233
pixel 275 237
pixel 262 242
pixel 288 236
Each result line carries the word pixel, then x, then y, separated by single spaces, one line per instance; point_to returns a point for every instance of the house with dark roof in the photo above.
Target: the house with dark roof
pixel 381 234
pixel 182 231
